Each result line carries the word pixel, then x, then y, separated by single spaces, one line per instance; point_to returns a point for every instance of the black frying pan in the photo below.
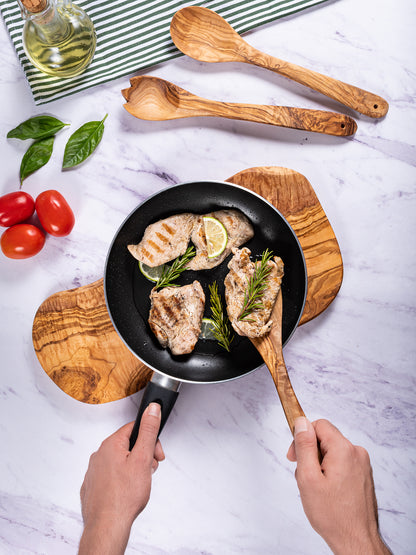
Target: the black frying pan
pixel 127 290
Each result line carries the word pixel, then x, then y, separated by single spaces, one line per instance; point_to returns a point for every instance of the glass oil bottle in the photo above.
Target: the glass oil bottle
pixel 58 36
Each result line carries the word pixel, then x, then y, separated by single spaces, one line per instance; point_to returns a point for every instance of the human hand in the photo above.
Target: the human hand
pixel 117 485
pixel 338 495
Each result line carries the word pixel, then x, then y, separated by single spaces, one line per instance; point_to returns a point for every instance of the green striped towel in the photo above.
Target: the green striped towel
pixel 133 35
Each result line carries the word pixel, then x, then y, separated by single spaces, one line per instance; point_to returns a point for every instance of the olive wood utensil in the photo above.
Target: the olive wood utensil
pixel 151 98
pixel 270 348
pixel 204 35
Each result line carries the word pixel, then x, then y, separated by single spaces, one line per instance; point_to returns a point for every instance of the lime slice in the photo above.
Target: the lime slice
pixel 216 236
pixel 151 273
pixel 207 327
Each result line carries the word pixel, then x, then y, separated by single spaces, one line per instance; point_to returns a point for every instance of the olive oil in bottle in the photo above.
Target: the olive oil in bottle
pixel 58 36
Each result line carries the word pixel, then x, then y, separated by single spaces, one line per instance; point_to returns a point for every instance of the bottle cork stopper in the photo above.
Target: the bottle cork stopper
pixel 34 6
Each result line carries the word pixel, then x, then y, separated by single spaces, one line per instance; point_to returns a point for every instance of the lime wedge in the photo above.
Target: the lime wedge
pixel 153 274
pixel 216 236
pixel 207 328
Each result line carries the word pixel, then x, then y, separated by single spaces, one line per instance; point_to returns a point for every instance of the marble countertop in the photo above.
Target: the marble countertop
pixel 226 486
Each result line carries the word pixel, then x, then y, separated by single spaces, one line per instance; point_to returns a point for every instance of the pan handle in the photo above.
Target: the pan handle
pixel 161 389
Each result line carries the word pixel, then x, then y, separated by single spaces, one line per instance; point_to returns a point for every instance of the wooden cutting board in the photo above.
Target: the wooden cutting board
pixel 78 347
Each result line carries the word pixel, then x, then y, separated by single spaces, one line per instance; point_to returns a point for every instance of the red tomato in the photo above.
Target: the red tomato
pixel 15 208
pixel 22 241
pixel 54 213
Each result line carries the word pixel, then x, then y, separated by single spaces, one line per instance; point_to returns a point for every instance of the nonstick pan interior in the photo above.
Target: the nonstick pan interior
pixel 127 290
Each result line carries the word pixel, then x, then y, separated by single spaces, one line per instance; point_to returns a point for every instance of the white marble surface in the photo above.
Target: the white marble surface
pixel 226 486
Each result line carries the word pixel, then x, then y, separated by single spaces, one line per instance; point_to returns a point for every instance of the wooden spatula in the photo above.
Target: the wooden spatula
pixel 154 99
pixel 271 349
pixel 204 35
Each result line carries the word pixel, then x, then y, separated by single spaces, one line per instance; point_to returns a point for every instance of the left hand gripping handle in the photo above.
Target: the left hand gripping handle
pixel 156 392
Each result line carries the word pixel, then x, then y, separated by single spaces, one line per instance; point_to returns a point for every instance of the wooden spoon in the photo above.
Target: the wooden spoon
pixel 204 35
pixel 151 98
pixel 270 348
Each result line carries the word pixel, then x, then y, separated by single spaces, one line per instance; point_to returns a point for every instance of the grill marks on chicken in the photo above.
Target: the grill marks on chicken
pixel 239 231
pixel 241 268
pixel 175 316
pixel 176 312
pixel 167 239
pixel 164 240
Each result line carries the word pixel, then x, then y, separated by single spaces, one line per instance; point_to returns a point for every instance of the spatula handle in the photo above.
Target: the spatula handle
pixel 317 121
pixel 278 370
pixel 358 99
pixel 290 403
pixel 270 349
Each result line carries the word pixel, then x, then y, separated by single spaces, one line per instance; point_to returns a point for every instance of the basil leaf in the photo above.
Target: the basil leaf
pixel 83 142
pixel 36 156
pixel 36 128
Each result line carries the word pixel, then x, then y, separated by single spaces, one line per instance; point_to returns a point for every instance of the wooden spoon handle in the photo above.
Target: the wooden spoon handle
pixel 274 360
pixel 290 403
pixel 358 99
pixel 270 348
pixel 318 121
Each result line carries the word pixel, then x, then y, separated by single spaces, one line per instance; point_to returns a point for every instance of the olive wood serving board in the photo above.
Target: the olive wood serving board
pixel 78 347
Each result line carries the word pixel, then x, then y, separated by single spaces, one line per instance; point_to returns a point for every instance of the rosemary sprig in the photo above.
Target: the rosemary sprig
pixel 256 286
pixel 170 273
pixel 222 329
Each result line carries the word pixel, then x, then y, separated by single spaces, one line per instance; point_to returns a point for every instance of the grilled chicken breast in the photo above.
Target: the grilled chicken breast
pixel 164 240
pixel 239 231
pixel 236 282
pixel 175 316
pixel 167 239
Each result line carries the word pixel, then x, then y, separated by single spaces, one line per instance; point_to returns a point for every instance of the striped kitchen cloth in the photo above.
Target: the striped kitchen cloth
pixel 133 35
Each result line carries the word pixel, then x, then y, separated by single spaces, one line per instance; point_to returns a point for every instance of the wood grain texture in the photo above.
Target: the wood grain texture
pixel 294 197
pixel 152 98
pixel 204 35
pixel 80 350
pixel 78 347
pixel 270 348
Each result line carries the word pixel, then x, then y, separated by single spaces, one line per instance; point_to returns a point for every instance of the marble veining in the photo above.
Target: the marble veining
pixel 226 486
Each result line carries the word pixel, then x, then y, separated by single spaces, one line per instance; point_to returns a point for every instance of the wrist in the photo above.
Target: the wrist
pixel 104 535
pixel 361 546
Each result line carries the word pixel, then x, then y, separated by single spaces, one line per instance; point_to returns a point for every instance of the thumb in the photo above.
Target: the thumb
pixel 148 431
pixel 306 446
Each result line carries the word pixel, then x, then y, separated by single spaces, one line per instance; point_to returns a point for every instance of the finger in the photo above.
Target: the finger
pixel 329 436
pixel 291 453
pixel 324 427
pixel 159 454
pixel 148 430
pixel 122 435
pixel 306 448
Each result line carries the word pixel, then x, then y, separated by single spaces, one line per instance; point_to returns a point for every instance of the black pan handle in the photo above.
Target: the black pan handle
pixel 162 390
